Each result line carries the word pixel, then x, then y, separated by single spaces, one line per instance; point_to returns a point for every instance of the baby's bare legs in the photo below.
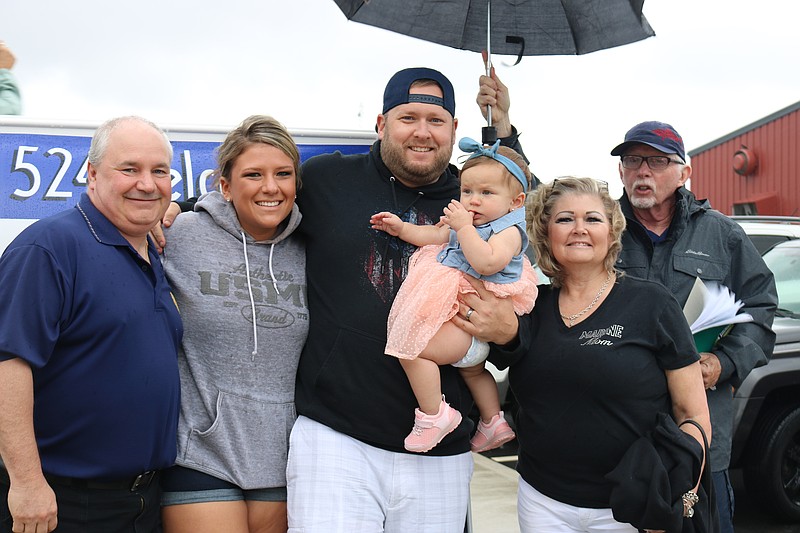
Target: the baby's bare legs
pixel 449 345
pixel 484 390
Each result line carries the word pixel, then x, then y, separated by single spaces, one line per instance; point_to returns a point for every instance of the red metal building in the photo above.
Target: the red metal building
pixel 754 170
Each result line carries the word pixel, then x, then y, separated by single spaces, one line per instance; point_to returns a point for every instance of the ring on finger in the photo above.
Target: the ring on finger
pixel 469 313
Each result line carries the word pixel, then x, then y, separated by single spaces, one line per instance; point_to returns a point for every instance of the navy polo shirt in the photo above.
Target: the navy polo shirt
pixel 101 331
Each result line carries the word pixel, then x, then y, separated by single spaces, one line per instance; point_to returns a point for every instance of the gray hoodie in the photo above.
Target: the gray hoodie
pixel 245 314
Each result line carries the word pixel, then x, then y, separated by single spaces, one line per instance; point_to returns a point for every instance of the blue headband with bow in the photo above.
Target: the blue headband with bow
pixel 478 150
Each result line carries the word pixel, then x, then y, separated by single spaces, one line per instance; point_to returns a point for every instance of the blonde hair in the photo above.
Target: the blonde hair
pixel 255 129
pixel 539 211
pixel 510 181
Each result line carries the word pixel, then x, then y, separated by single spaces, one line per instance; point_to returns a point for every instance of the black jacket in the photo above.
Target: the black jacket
pixel 704 243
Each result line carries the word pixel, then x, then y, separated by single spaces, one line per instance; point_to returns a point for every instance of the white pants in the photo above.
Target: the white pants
pixel 339 484
pixel 538 514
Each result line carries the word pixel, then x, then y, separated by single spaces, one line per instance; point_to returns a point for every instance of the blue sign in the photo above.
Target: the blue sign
pixel 41 175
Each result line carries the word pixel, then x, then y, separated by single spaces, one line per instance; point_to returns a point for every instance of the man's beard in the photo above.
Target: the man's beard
pixel 642 203
pixel 394 158
pixel 639 202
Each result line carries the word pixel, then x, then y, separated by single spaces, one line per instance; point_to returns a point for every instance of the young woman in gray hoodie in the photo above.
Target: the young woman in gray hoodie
pixel 238 274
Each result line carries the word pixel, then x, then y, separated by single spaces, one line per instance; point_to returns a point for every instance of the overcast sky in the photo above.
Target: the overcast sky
pixel 713 67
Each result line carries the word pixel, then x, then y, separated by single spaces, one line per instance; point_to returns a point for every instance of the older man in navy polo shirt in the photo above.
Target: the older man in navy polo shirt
pixel 89 335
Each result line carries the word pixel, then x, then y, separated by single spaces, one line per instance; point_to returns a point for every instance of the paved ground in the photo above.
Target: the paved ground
pixel 494 497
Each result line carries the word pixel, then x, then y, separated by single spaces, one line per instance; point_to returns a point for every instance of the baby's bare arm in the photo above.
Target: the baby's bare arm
pixel 492 256
pixel 411 233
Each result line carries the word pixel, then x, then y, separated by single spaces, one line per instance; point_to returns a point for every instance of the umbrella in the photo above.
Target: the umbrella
pixel 518 27
pixel 508 27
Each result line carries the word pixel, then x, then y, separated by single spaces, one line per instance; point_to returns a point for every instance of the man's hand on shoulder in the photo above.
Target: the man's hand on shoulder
pixel 157 233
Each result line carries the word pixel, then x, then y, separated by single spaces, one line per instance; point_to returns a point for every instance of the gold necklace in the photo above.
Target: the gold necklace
pixel 576 316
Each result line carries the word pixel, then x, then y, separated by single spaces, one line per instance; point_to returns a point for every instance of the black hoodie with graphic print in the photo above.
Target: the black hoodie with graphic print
pixel 345 380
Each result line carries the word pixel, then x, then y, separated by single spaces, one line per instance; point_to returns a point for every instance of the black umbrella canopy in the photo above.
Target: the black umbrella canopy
pixel 518 27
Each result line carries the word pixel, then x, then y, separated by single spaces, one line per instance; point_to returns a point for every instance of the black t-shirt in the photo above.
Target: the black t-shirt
pixel 587 392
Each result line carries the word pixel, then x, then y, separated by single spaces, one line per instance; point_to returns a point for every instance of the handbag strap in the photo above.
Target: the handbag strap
pixel 699 427
pixel 706 466
pixel 710 520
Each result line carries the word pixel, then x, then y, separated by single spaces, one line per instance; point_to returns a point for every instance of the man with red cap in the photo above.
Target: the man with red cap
pixel 674 238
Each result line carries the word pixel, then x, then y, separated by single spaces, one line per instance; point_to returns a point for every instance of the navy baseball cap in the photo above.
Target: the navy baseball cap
pixel 396 92
pixel 659 135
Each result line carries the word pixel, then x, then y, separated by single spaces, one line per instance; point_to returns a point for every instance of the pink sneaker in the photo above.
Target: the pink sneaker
pixel 492 435
pixel 429 430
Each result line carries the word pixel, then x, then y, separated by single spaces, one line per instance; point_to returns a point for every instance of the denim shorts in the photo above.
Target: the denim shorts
pixel 182 485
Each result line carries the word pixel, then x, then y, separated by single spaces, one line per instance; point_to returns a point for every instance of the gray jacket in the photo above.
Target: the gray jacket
pixel 245 314
pixel 704 243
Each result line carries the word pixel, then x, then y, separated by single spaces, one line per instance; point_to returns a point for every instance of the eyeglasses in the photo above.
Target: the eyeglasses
pixel 655 162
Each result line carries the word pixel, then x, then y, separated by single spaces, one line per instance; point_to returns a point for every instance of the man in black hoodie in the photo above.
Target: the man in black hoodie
pixel 348 470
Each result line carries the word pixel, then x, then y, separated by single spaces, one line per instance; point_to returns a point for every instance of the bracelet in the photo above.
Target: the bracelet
pixel 689 500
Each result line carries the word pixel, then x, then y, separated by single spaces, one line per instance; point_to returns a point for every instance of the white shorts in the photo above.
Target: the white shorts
pixel 538 513
pixel 339 484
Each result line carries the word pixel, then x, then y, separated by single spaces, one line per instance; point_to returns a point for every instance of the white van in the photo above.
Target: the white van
pixel 43 163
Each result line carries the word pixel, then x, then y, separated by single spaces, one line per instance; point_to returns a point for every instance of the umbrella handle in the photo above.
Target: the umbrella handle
pixel 488 132
pixel 488 135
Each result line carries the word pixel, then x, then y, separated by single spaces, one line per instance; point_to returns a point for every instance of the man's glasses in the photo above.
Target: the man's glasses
pixel 655 162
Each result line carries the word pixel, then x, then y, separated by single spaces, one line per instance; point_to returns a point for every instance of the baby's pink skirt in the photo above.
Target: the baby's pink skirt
pixel 429 297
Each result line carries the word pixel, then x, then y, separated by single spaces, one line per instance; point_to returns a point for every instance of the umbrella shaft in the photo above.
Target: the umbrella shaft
pixel 489 54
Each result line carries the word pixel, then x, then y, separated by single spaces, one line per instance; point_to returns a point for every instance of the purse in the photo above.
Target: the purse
pixel 654 474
